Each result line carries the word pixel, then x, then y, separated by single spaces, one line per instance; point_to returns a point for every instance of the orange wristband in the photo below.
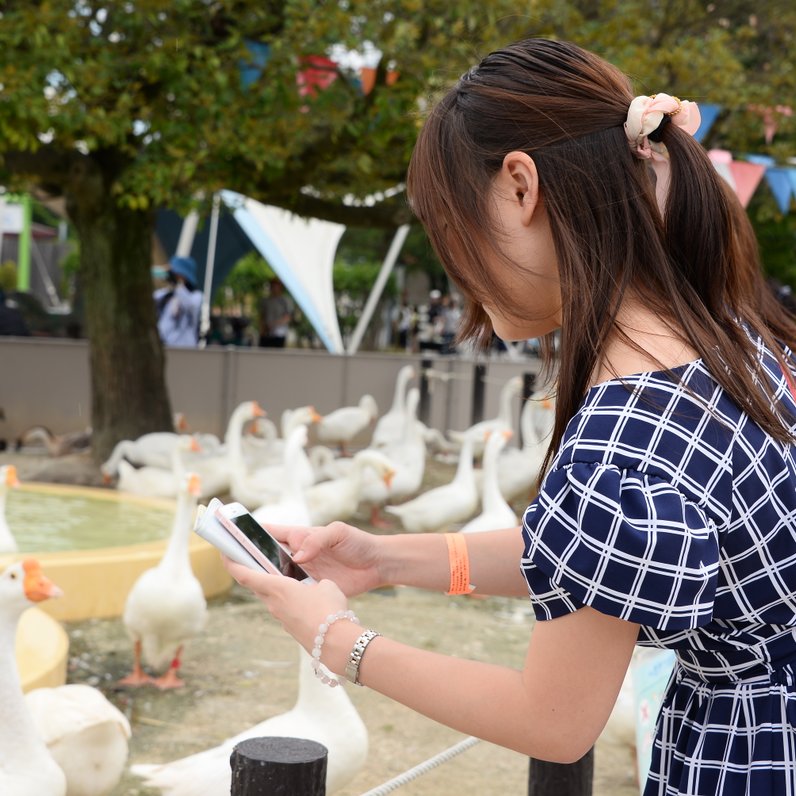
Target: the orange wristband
pixel 459 564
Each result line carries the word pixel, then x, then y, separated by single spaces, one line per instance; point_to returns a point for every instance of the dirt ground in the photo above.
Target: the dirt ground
pixel 242 669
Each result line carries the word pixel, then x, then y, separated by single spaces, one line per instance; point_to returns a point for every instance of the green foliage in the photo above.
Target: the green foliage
pixel 244 283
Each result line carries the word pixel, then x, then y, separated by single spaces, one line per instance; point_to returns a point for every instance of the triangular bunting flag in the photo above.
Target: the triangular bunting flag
pixel 747 177
pixel 762 160
pixel 721 159
pixel 708 115
pixel 792 178
pixel 778 180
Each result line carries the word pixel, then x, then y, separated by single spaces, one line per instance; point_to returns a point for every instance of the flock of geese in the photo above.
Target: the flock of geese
pixel 269 469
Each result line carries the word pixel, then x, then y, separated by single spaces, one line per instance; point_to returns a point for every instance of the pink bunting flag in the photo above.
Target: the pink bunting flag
pixel 747 177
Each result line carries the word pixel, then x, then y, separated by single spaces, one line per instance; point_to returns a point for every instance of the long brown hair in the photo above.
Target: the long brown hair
pixel 695 265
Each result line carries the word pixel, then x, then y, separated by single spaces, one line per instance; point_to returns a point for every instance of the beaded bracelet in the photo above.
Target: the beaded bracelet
pixel 316 650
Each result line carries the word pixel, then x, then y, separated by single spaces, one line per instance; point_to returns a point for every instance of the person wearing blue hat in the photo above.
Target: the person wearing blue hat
pixel 179 304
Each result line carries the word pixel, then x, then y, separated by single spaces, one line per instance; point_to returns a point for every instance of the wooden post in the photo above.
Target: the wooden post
pixel 278 767
pixel 424 404
pixel 561 779
pixel 477 414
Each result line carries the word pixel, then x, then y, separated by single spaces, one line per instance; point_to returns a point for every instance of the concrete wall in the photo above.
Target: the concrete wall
pixel 45 381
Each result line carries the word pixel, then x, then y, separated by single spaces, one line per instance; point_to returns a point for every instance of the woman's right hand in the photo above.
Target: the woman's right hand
pixel 351 558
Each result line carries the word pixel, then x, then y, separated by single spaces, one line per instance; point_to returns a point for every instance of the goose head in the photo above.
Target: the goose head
pixel 22 584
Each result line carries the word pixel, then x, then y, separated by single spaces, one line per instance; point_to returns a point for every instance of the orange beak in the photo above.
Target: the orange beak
pixel 194 446
pixel 37 586
pixel 11 476
pixel 194 485
pixel 315 417
pixel 508 434
pixel 387 477
pixel 257 410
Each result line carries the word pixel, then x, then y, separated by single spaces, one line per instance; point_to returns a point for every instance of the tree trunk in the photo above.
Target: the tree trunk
pixel 561 779
pixel 128 387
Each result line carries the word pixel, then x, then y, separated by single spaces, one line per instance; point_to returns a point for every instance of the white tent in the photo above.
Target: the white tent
pixel 301 252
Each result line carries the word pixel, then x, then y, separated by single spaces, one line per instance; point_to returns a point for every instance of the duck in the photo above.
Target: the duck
pixel 322 714
pixel 502 421
pixel 446 505
pixel 518 469
pixel 55 444
pixel 339 499
pixel 390 426
pixel 26 766
pixel 291 508
pixel 495 511
pixel 86 735
pixel 156 481
pixel 166 605
pixel 342 425
pixel 8 480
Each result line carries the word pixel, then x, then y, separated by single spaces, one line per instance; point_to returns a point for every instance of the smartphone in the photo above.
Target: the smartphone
pixel 211 530
pixel 271 554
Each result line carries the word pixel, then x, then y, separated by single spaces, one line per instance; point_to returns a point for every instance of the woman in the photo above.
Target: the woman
pixel 557 201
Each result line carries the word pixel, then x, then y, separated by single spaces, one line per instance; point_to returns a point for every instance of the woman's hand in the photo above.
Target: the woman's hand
pixel 352 558
pixel 300 607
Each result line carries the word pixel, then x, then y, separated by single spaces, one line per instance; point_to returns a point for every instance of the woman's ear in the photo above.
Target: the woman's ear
pixel 521 180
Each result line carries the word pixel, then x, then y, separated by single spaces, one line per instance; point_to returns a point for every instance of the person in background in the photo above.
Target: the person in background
pixel 178 304
pixel 666 514
pixel 276 313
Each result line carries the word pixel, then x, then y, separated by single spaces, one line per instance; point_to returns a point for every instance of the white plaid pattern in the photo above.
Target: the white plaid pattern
pixel 667 507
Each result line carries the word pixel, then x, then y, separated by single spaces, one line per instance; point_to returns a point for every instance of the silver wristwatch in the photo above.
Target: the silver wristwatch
pixel 355 658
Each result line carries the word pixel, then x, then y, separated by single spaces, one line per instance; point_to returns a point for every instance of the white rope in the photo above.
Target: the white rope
pixel 422 768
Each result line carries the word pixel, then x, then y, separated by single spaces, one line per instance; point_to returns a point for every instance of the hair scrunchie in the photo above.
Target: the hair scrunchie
pixel 646 114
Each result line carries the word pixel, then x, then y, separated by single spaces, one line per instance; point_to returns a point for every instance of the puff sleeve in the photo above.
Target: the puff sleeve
pixel 626 543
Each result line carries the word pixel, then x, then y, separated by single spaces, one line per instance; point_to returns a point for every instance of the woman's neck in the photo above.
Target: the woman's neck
pixel 642 341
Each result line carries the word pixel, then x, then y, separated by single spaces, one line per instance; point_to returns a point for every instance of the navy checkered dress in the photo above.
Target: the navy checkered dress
pixel 666 506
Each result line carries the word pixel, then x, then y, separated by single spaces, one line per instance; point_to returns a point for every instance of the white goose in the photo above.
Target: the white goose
pixel 407 456
pixel 390 426
pixel 26 766
pixel 518 468
pixel 267 484
pixel 217 468
pixel 321 714
pixel 291 507
pixel 339 499
pixel 495 511
pixel 264 449
pixel 504 419
pixel 154 481
pixel 342 425
pixel 166 605
pixel 8 480
pixel 151 450
pixel 86 735
pixel 444 505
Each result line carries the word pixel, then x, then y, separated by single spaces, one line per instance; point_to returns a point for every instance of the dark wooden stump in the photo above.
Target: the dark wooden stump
pixel 561 779
pixel 278 767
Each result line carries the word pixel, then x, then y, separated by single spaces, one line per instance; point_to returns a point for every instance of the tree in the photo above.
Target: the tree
pixel 124 107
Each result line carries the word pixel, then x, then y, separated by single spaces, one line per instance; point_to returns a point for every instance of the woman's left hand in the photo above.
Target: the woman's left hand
pixel 300 607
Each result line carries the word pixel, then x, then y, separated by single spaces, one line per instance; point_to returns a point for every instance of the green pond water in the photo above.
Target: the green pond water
pixel 43 521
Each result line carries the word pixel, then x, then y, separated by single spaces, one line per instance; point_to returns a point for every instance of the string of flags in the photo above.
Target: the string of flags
pixel 746 173
pixel 317 72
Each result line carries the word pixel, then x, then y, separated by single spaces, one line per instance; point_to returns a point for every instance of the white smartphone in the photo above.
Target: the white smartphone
pixel 211 530
pixel 269 552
